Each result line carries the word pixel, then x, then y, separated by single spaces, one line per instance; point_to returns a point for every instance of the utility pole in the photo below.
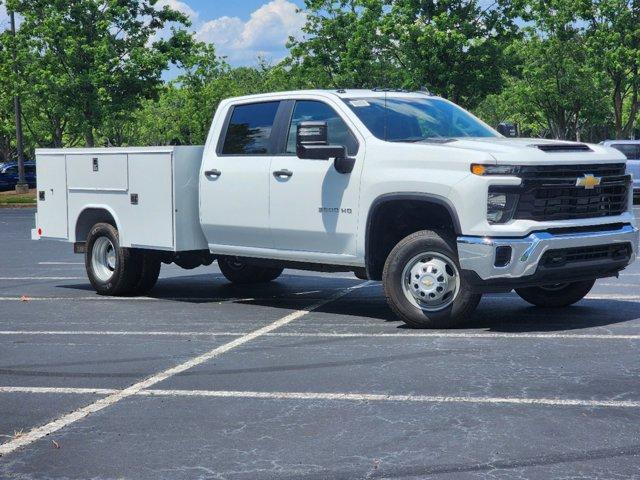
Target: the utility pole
pixel 21 186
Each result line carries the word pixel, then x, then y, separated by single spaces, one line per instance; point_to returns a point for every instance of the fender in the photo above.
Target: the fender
pixel 415 196
pixel 106 208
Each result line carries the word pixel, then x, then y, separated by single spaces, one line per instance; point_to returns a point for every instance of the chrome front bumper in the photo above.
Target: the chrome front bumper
pixel 478 254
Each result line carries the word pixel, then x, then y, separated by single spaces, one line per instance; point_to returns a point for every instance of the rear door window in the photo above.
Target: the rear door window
pixel 249 130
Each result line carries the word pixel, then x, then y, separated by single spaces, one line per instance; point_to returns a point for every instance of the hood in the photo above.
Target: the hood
pixel 536 151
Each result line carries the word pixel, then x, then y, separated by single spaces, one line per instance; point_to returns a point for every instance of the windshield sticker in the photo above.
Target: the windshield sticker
pixel 359 103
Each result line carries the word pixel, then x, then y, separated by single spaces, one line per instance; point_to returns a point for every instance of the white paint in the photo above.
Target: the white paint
pixel 135 389
pixel 408 335
pixel 60 263
pixel 372 397
pixel 349 397
pixel 74 391
pixel 42 278
pixel 612 296
pixel 100 298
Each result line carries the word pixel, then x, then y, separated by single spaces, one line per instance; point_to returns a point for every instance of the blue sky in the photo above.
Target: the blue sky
pixel 244 30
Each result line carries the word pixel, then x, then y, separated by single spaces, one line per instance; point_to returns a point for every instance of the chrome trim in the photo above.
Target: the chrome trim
pixel 478 253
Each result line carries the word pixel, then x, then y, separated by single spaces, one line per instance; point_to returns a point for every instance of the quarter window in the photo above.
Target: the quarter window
pixel 313 111
pixel 249 130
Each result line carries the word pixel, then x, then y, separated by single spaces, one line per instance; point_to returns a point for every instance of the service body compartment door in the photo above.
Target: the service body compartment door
pixel 149 218
pixel 105 172
pixel 52 196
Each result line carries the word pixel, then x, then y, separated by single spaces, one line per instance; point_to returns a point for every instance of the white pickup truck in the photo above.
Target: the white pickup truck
pixel 401 187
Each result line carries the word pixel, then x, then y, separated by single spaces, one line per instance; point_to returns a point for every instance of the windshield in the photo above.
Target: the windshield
pixel 417 119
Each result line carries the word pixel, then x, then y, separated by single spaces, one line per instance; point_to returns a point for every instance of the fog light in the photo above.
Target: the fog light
pixel 500 207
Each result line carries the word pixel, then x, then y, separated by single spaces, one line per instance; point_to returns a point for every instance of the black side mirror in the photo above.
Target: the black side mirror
pixel 508 129
pixel 312 142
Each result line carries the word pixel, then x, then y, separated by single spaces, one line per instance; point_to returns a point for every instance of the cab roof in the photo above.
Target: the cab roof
pixel 339 93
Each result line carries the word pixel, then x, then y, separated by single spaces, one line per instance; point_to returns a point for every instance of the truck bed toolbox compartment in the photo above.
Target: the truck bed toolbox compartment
pixel 151 193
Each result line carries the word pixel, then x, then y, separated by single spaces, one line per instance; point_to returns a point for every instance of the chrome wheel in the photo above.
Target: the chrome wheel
pixel 103 259
pixel 431 281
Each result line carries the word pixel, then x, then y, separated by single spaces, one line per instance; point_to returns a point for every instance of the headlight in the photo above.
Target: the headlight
pixel 501 206
pixel 483 170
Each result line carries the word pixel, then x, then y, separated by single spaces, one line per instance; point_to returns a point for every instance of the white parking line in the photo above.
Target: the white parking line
pixel 78 391
pixel 372 397
pixel 593 296
pixel 612 296
pixel 348 397
pixel 136 388
pixel 407 335
pixel 60 263
pixel 41 278
pixel 100 298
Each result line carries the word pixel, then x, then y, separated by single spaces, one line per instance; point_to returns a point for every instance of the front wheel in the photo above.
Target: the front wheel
pixel 556 296
pixel 422 282
pixel 237 271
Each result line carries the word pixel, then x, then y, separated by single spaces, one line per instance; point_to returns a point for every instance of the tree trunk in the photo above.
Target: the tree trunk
pixel 89 139
pixel 618 105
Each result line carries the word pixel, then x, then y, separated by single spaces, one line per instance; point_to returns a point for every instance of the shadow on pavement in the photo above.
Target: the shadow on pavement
pixel 504 313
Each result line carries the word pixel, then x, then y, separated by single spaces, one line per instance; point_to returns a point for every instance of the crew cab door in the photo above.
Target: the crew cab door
pixel 234 183
pixel 313 207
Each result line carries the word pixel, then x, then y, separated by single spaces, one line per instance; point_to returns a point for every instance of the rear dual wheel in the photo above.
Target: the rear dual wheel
pixel 117 271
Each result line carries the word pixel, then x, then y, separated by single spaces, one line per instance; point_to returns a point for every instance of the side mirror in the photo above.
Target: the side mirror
pixel 312 142
pixel 509 130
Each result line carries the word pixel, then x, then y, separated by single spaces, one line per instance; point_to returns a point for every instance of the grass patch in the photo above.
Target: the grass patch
pixel 12 198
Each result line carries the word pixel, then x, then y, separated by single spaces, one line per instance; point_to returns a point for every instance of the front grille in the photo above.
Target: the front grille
pixel 562 257
pixel 550 193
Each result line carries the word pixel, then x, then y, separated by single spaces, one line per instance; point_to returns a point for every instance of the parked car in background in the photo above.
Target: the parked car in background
pixel 631 149
pixel 9 175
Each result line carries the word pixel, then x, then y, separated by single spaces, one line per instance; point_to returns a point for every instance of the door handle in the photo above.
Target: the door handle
pixel 283 173
pixel 212 173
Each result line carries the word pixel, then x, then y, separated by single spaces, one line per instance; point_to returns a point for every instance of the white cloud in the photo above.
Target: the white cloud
pixel 264 34
pixel 179 6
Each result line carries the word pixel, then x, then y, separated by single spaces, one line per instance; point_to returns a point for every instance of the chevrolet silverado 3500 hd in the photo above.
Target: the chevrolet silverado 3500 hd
pixel 401 187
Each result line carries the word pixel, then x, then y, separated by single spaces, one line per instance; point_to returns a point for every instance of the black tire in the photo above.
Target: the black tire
pixel 149 273
pixel 126 269
pixel 556 296
pixel 361 274
pixel 462 305
pixel 242 273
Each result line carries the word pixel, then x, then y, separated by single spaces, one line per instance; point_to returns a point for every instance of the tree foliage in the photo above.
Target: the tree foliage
pixel 91 71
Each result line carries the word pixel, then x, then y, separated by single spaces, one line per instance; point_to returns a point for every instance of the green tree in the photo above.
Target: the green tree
pixel 95 60
pixel 454 48
pixel 613 40
pixel 555 91
pixel 343 46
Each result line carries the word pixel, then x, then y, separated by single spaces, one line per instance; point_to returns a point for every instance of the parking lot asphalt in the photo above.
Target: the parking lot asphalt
pixel 309 377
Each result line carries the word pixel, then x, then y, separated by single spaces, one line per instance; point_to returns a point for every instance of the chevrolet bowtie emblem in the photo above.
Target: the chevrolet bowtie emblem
pixel 427 282
pixel 588 181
